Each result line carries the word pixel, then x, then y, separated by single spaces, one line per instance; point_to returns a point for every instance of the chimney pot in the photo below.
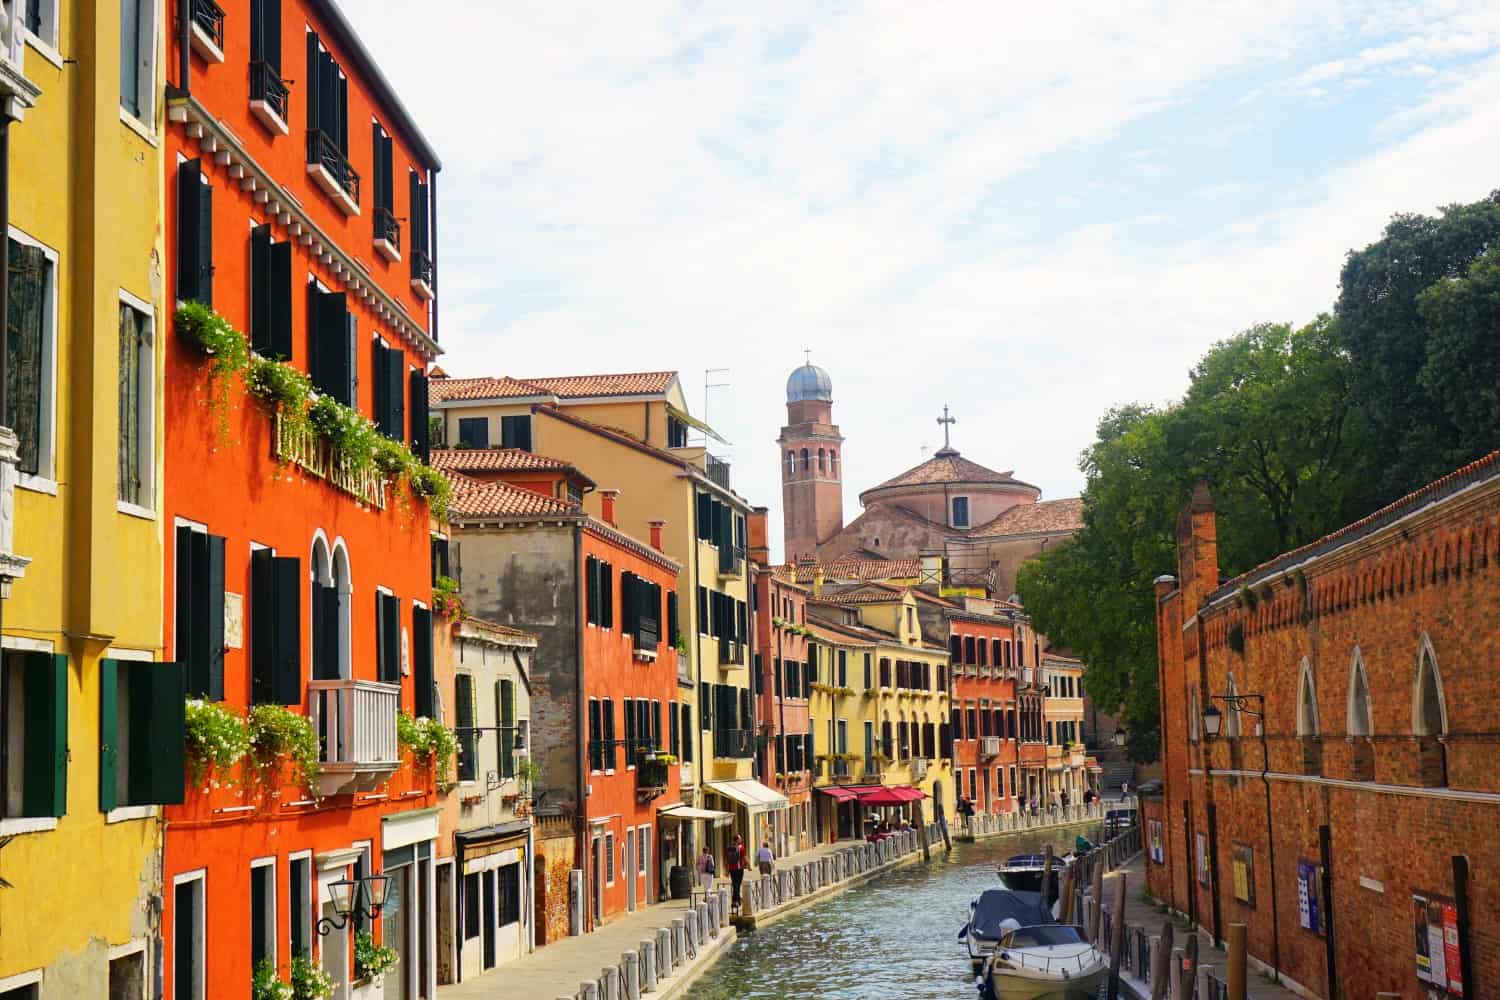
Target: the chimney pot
pixel 607 500
pixel 656 527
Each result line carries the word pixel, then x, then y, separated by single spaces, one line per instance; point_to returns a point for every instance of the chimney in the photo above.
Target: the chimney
pixel 656 527
pixel 1198 548
pixel 759 549
pixel 607 500
pixel 817 580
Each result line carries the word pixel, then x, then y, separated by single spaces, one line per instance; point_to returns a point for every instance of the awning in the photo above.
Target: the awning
pixel 694 422
pixel 683 812
pixel 839 794
pixel 895 795
pixel 754 796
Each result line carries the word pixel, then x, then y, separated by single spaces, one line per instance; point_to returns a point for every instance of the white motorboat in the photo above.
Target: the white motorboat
pixel 1024 872
pixel 1044 962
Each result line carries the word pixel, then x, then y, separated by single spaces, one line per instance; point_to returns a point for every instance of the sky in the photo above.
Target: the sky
pixel 1029 213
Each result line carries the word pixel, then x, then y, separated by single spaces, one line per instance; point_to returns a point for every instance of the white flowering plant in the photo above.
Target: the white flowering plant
pixel 264 984
pixel 309 981
pixel 371 959
pixel 215 740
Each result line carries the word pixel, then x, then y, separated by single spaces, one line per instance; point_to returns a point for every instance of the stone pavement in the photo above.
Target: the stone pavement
pixel 1211 960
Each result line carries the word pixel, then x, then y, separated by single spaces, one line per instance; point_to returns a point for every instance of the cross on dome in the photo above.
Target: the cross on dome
pixel 946 421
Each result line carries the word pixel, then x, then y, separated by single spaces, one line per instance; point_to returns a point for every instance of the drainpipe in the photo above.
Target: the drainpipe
pixel 185 46
pixel 580 820
pixel 432 248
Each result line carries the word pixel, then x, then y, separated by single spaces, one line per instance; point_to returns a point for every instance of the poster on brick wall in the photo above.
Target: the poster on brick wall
pixel 1309 886
pixel 1157 847
pixel 1244 873
pixel 1435 937
pixel 1202 858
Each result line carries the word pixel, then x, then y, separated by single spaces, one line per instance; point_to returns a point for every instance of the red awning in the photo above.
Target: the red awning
pixel 838 794
pixel 895 795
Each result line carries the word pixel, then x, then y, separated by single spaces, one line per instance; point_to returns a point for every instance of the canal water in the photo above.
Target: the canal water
pixel 895 936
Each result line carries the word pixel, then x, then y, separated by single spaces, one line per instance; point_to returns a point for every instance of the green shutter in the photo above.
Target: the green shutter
pixel 507 731
pixel 421 659
pixel 162 713
pixel 109 732
pixel 44 785
pixel 215 621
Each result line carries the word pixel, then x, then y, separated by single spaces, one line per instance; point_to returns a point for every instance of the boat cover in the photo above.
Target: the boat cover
pixel 997 905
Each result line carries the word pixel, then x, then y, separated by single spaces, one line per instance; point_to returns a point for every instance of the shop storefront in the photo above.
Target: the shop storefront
pixel 752 805
pixel 495 896
pixel 407 842
pixel 684 829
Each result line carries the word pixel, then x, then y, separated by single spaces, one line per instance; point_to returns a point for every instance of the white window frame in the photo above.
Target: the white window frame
pixel 22 979
pixel 122 814
pixel 138 946
pixel 312 900
pixel 271 900
pixel 146 85
pixel 146 416
pixel 199 875
pixel 45 479
pixel 47 43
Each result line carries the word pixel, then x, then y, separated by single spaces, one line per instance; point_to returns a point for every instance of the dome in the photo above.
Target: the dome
pixel 809 382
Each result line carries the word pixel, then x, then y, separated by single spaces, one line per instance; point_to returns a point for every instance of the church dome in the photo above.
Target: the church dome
pixel 809 382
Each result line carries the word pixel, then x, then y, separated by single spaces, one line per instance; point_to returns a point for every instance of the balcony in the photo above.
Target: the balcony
pixel 268 96
pixel 731 654
pixel 840 767
pixel 387 235
pixel 306 449
pixel 356 722
pixel 208 30
pixel 989 747
pixel 733 744
pixel 874 766
pixel 329 167
pixel 17 93
pixel 647 638
pixel 731 562
pixel 716 469
pixel 650 778
pixel 421 274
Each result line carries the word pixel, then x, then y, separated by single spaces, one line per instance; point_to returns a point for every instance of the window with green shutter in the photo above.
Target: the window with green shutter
pixel 200 611
pixel 468 739
pixel 34 733
pixel 424 690
pixel 275 629
pixel 141 723
pixel 505 693
pixel 387 638
pixel 195 235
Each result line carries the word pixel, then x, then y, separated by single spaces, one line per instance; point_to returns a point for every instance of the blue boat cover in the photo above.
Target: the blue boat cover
pixel 997 905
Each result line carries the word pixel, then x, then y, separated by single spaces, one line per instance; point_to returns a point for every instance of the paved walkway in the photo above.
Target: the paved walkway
pixel 1139 913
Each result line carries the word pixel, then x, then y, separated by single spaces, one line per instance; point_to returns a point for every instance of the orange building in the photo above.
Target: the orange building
pixel 607 713
pixel 298 578
pixel 986 749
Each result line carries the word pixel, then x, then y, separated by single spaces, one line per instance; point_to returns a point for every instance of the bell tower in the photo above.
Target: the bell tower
pixel 812 486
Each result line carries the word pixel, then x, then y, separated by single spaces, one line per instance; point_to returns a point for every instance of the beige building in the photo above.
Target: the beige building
pixel 1063 708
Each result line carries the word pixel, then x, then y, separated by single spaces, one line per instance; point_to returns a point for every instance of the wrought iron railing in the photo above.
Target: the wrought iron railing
pixel 651 774
pixel 840 768
pixel 734 743
pixel 717 470
pixel 266 85
pixel 387 228
pixel 208 17
pixel 323 151
pixel 421 267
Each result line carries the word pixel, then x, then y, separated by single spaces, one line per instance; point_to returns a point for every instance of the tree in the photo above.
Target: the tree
pixel 1406 371
pixel 1462 370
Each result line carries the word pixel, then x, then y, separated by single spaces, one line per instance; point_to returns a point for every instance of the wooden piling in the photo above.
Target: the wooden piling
pixel 1117 938
pixel 1237 969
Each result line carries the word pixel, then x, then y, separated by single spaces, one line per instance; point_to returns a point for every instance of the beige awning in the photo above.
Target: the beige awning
pixel 695 423
pixel 754 796
pixel 684 812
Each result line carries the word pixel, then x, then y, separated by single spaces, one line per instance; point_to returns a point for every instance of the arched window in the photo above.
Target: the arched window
pixel 1231 715
pixel 791 464
pixel 833 462
pixel 822 461
pixel 806 461
pixel 1429 713
pixel 1357 713
pixel 343 588
pixel 1307 702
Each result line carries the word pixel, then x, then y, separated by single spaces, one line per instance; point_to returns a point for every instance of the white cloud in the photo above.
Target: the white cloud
pixel 636 186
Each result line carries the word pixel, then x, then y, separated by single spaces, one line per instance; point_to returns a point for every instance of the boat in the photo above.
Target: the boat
pixel 1023 873
pixel 1019 952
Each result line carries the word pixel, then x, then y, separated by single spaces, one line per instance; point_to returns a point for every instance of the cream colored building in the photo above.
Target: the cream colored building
pixel 1067 761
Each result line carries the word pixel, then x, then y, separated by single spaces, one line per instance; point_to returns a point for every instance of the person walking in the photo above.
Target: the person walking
pixel 706 869
pixel 764 859
pixel 734 863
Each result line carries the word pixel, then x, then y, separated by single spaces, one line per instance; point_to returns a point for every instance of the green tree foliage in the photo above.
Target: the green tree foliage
pixel 1404 311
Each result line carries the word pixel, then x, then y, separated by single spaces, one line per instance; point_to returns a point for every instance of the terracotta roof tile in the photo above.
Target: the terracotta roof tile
pixel 853 569
pixel 1033 518
pixel 563 387
pixel 496 629
pixel 948 466
pixel 492 460
pixel 472 498
pixel 445 389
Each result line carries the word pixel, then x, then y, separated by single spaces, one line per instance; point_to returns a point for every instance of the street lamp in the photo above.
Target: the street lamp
pixel 363 898
pixel 1120 737
pixel 1212 720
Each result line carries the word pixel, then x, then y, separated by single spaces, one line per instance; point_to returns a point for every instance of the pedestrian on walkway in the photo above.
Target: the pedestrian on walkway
pixel 706 869
pixel 734 863
pixel 1124 790
pixel 764 859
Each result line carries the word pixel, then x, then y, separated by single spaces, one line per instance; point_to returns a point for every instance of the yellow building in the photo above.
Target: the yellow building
pixel 879 706
pixel 629 434
pixel 1062 707
pixel 91 725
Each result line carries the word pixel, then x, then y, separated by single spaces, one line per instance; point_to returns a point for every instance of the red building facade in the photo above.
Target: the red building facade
pixel 298 580
pixel 986 730
pixel 1366 662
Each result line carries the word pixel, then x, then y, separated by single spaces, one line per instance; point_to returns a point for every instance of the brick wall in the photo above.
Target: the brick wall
pixel 554 861
pixel 1411 589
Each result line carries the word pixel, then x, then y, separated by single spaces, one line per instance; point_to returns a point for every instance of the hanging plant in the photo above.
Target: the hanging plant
pixel 392 458
pixel 278 735
pixel 431 743
pixel 445 599
pixel 225 348
pixel 432 484
pixel 214 741
pixel 264 985
pixel 281 388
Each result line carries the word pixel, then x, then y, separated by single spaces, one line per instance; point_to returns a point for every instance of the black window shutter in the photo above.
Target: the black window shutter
pixel 591 590
pixel 328 643
pixel 162 714
pixel 418 245
pixel 421 662
pixel 382 667
pixel 391 638
pixel 330 334
pixel 672 630
pixel 395 412
pixel 705 516
pixel 278 282
pixel 380 358
pixel 263 613
pixel 314 82
pixel 630 731
pixel 109 732
pixel 507 716
pixel 44 781
pixel 606 595
pixel 206 244
pixel 214 579
pixel 674 731
pixel 189 614
pixel 286 572
pixel 419 438
pixel 260 290
pixel 463 711
pixel 188 208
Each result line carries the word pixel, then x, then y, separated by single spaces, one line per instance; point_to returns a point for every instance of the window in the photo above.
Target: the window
pixel 137 453
pixel 505 711
pixel 200 611
pixel 387 229
pixel 833 467
pixel 389 372
pixel 31 353
pixel 677 433
pixel 596 736
pixel 1358 712
pixel 270 295
pixel 515 432
pixel 195 235
pixel 687 733
pixel 328 126
pixel 268 91
pixel 141 722
pixel 643 849
pixel 262 911
pixel 960 512
pixel 127 979
pixel 868 685
pixel 138 59
pixel 468 738
pixel 299 905
pixel 1307 703
pixel 973 784
pixel 387 637
pixel 41 20
pixel 331 599
pixel 420 433
pixel 473 925
pixel 843 674
pixel 424 684
pixel 421 227
pixel 473 432
pixel 609 858
pixel 187 938
pixel 510 893
pixel 34 733
pixel 673 632
pixel 607 717
pixel 822 460
pixel 275 628
pixel 330 333
pixel 1429 714
pixel 806 463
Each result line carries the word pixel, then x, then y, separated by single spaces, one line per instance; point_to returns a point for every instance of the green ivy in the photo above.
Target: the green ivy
pixel 214 740
pixel 277 734
pixel 431 740
pixel 281 387
pixel 432 484
pixel 210 333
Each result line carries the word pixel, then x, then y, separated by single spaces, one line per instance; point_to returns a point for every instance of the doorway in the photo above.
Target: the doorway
pixel 596 865
pixel 629 873
pixel 487 882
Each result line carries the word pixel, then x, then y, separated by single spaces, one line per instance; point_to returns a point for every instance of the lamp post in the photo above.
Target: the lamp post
pixel 363 897
pixel 1120 737
pixel 1213 721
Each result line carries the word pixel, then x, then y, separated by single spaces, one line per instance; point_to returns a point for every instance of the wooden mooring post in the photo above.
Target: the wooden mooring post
pixel 1117 938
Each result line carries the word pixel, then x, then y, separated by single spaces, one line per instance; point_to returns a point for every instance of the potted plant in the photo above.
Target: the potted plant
pixel 309 981
pixel 265 985
pixel 371 962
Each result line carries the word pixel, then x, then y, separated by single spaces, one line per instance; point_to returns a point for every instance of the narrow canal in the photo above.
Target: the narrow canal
pixel 895 936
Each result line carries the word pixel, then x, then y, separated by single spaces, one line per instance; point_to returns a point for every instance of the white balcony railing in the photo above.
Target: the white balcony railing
pixel 356 722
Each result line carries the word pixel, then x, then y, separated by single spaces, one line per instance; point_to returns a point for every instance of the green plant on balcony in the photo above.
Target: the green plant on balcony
pixel 264 984
pixel 371 960
pixel 226 349
pixel 215 739
pixel 309 981
pixel 279 736
pixel 527 772
pixel 445 599
pixel 844 690
pixel 430 483
pixel 432 744
pixel 282 388
pixel 681 645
